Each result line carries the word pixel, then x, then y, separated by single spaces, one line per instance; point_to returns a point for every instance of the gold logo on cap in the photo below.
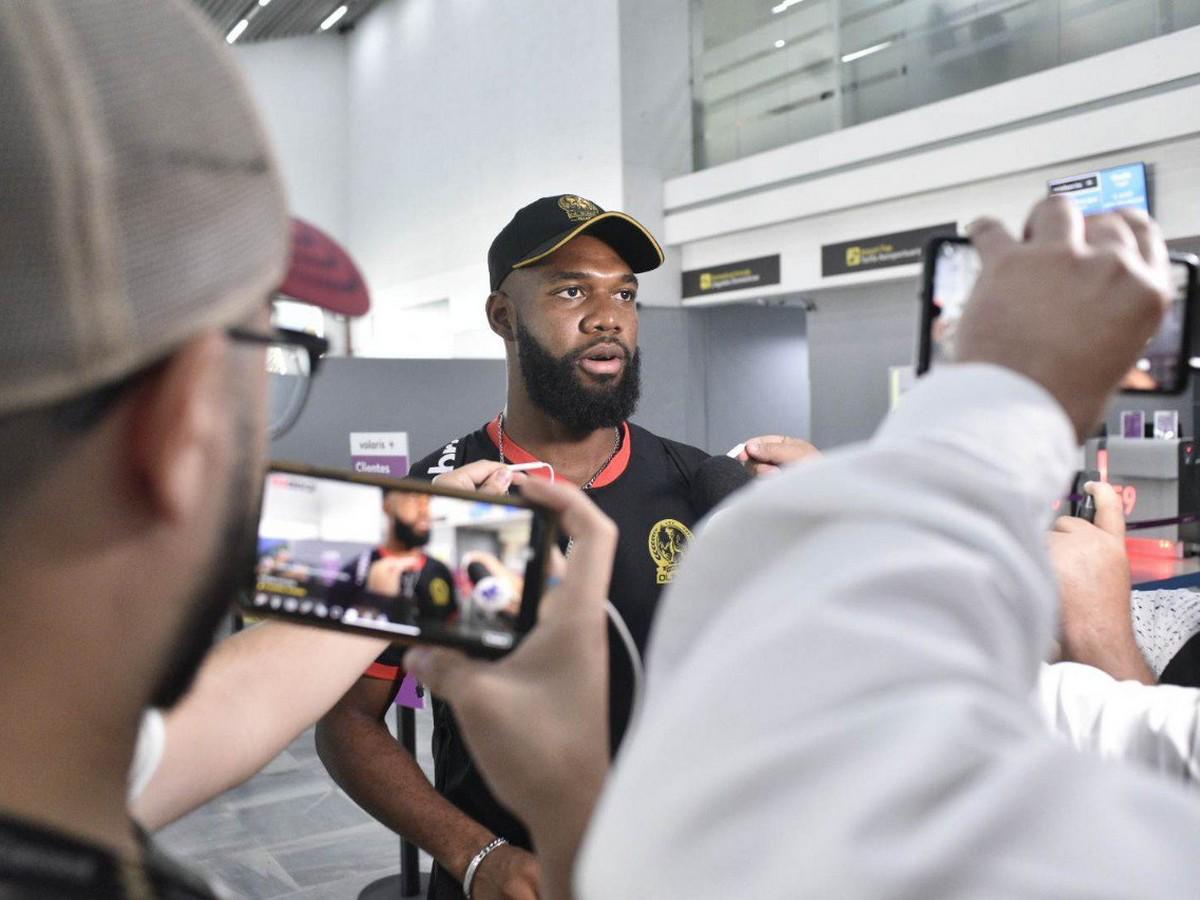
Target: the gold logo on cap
pixel 577 208
pixel 668 539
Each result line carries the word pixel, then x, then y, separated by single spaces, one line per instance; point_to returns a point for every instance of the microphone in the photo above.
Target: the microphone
pixel 715 479
pixel 477 571
pixel 490 595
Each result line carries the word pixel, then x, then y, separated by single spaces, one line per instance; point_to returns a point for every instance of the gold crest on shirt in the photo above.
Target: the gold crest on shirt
pixel 439 592
pixel 577 208
pixel 668 540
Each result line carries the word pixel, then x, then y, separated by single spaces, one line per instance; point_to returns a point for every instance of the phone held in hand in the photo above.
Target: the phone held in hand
pixel 952 266
pixel 399 558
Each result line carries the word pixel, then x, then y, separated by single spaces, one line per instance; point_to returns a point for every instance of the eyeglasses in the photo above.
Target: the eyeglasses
pixel 292 360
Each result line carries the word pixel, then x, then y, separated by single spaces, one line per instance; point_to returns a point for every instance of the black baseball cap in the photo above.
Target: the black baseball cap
pixel 540 228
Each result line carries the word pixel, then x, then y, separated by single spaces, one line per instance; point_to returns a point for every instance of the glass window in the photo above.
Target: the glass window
pixel 771 72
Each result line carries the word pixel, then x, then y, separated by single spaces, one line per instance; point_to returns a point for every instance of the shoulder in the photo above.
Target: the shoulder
pixel 435 568
pixel 451 456
pixel 686 457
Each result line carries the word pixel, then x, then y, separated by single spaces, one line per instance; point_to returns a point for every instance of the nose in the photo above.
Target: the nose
pixel 606 316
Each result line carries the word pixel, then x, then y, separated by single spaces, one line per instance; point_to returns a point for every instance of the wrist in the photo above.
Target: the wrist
pixel 476 862
pixel 456 857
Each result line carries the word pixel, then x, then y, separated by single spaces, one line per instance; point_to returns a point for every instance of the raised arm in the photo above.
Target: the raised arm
pixel 841 673
pixel 257 691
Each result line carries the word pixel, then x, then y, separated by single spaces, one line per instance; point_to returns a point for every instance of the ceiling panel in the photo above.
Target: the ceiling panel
pixel 281 18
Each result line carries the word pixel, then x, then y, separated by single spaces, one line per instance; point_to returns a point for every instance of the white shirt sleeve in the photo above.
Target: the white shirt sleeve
pixel 839 682
pixel 147 752
pixel 1156 726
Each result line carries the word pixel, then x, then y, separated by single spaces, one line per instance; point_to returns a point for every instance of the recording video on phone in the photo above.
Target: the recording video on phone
pixel 952 266
pixel 398 560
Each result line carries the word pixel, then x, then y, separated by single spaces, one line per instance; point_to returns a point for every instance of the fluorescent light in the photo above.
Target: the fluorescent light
pixel 334 17
pixel 859 54
pixel 263 2
pixel 785 6
pixel 236 31
pixel 780 44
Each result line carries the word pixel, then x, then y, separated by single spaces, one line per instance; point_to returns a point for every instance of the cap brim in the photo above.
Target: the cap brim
pixel 322 273
pixel 625 234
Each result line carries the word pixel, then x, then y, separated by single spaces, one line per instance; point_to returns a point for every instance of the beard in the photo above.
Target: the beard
pixel 233 559
pixel 554 384
pixel 409 536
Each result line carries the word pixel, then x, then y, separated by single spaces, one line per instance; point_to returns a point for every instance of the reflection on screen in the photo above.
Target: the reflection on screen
pixel 954 275
pixel 401 563
pixel 955 271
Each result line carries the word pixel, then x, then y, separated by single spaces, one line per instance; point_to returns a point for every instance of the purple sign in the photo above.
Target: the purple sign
pixel 379 453
pixel 408 696
pixel 395 466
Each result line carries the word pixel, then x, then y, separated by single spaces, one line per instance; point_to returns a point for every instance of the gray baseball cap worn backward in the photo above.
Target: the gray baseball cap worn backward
pixel 139 201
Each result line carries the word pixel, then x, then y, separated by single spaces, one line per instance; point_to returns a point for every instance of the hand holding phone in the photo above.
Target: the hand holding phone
pixel 952 266
pixel 395 558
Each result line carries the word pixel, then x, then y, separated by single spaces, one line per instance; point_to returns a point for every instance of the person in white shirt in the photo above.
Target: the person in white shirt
pixel 839 681
pixel 1103 698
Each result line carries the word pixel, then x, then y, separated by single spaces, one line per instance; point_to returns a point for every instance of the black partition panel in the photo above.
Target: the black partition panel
pixel 710 378
pixel 434 400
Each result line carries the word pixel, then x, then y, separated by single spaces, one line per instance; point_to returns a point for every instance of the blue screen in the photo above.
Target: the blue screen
pixel 1116 188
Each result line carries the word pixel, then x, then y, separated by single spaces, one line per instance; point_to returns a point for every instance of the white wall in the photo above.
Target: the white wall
pixel 300 86
pixel 990 151
pixel 656 123
pixel 460 112
pixel 415 137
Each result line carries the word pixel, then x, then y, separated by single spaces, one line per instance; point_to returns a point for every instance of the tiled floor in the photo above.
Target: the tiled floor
pixel 291 833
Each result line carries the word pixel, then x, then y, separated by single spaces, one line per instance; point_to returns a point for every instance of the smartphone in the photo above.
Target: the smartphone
pixel 399 558
pixel 951 267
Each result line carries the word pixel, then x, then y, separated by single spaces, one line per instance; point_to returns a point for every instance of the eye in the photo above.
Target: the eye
pixel 627 295
pixel 574 292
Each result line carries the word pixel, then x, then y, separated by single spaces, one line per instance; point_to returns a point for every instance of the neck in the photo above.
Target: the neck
pixel 394 546
pixel 74 688
pixel 66 753
pixel 575 457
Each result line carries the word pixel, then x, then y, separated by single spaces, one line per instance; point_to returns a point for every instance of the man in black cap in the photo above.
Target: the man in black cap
pixel 564 299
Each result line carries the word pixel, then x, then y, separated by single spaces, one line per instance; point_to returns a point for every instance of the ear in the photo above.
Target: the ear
pixel 502 316
pixel 178 420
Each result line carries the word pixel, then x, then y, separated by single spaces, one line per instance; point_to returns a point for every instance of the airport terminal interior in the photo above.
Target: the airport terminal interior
pixel 797 160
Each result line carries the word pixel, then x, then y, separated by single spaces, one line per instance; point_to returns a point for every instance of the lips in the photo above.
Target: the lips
pixel 603 360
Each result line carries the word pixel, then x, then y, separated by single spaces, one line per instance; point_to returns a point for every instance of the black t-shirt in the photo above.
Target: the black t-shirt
pixel 646 490
pixel 429 587
pixel 37 863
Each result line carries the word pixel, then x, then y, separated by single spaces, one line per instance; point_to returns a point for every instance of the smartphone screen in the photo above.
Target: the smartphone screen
pixel 397 560
pixel 952 268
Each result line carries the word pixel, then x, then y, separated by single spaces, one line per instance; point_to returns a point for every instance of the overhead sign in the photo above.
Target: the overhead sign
pixel 734 276
pixel 880 251
pixel 379 453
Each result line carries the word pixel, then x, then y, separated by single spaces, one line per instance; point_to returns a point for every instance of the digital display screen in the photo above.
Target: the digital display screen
pixel 1121 187
pixel 955 270
pixel 404 564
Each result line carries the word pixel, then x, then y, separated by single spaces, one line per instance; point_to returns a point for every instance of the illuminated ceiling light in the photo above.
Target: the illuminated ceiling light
pixel 236 31
pixel 780 44
pixel 334 17
pixel 263 2
pixel 859 54
pixel 785 6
